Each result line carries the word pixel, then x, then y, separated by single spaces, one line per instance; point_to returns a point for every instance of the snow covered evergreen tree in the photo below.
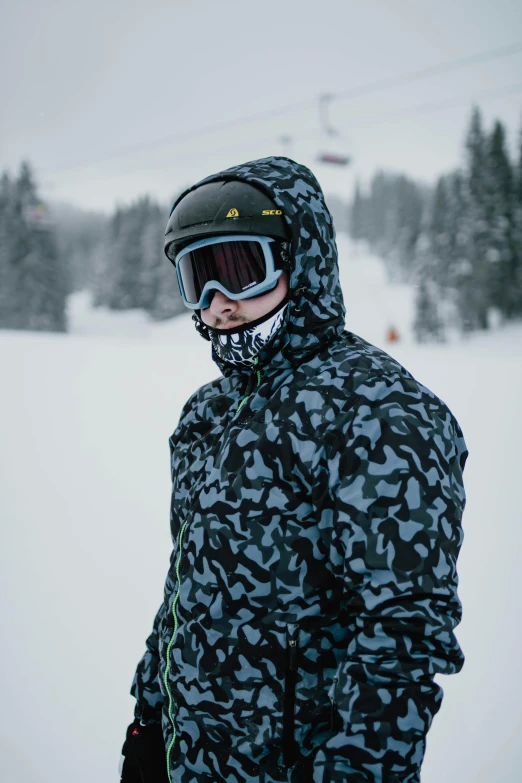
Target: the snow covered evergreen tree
pixel 502 253
pixel 168 301
pixel 407 217
pixel 104 271
pixel 389 218
pixel 442 263
pixel 517 227
pixel 78 233
pixel 151 256
pixel 131 268
pixel 462 244
pixel 431 265
pixel 339 210
pixel 459 301
pixel 126 256
pixel 427 325
pixel 34 280
pixel 478 224
pixel 8 300
pixel 356 225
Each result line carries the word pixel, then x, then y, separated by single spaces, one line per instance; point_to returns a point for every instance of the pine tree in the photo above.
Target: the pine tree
pixel 459 297
pixel 427 325
pixel 7 278
pixel 131 268
pixel 500 211
pixel 389 218
pixel 479 236
pixel 78 234
pixel 168 302
pixel 339 211
pixel 517 231
pixel 408 213
pixel 378 211
pixel 356 225
pixel 105 266
pixel 463 246
pixel 151 254
pixel 36 283
pixel 126 256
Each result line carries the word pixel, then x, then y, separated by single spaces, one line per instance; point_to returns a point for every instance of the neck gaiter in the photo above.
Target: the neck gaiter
pixel 242 344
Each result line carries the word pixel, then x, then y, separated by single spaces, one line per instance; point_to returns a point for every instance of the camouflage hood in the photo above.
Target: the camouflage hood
pixel 316 312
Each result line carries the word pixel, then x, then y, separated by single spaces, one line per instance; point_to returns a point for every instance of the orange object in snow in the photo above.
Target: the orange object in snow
pixel 392 335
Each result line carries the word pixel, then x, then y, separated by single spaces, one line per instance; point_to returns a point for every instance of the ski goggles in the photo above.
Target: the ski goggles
pixel 240 266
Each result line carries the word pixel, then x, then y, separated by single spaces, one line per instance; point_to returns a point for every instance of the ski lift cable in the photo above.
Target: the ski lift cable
pixel 423 73
pixel 439 105
pixel 376 118
pixel 429 106
pixel 352 92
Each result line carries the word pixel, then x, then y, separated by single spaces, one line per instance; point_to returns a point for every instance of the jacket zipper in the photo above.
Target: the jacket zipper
pixel 290 749
pixel 169 648
pixel 334 715
pixel 256 375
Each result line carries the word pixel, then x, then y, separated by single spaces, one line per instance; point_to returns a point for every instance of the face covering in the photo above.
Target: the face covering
pixel 240 346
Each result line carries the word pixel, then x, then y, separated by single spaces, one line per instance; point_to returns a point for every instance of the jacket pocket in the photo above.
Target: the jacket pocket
pixel 290 747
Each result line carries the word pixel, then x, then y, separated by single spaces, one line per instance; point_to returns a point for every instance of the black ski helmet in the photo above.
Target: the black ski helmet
pixel 222 207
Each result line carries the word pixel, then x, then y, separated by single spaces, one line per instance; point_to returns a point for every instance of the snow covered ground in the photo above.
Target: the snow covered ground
pixel 84 497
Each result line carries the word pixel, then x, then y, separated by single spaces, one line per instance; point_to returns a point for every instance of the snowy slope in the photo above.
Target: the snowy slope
pixel 84 497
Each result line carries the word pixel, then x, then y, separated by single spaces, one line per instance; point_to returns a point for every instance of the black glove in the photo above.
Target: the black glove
pixel 145 759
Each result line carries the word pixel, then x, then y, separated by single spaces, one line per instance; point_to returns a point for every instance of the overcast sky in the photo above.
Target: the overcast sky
pixel 93 93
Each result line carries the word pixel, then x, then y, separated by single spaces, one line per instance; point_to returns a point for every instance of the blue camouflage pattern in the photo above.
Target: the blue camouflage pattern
pixel 316 520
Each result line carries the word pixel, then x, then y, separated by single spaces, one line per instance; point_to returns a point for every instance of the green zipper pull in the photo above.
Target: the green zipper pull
pixel 257 375
pixel 257 371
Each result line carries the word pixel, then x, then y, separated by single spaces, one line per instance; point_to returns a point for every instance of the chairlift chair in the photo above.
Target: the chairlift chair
pixel 330 157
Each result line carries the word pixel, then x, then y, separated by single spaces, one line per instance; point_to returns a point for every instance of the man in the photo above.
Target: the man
pixel 316 509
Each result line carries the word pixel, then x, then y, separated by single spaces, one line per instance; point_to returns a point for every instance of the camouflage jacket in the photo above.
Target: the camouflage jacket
pixel 312 594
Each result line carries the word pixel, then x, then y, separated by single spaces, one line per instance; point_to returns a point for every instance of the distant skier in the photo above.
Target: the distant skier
pixel 316 517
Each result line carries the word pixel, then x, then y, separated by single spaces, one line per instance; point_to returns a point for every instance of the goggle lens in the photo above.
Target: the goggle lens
pixel 238 266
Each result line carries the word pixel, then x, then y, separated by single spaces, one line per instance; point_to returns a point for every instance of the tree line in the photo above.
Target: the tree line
pixel 50 251
pixel 459 243
pixel 130 269
pixel 34 276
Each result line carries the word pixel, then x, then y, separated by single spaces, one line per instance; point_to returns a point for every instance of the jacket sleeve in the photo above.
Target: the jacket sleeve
pixel 393 472
pixel 145 686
